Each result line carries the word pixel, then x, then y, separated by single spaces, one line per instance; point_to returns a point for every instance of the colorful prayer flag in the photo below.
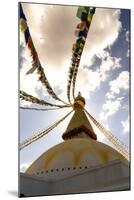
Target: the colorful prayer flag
pixel 21 12
pixel 82 13
pixel 23 25
pixel 81 25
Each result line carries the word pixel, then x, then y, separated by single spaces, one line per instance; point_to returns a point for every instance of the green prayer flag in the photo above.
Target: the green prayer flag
pixel 82 12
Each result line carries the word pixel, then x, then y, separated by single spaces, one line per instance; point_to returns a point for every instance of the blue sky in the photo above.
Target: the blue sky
pixel 103 76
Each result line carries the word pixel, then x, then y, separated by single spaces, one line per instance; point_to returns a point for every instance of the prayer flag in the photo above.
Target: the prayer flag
pixel 22 13
pixel 81 25
pixel 23 25
pixel 92 11
pixel 27 35
pixel 83 33
pixel 82 13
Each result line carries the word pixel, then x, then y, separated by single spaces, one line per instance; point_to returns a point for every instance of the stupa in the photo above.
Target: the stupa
pixel 79 164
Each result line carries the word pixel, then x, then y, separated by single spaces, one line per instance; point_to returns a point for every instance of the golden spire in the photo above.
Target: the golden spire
pixel 79 125
pixel 79 102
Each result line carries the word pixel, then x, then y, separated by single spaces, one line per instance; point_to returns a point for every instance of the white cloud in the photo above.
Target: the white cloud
pixel 110 108
pixel 125 125
pixel 110 96
pixel 87 81
pixel 108 63
pixel 120 83
pixel 53 40
pixel 128 53
pixel 127 35
pixel 91 80
pixel 113 103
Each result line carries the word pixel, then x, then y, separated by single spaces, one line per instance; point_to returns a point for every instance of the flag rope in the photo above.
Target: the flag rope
pixel 42 133
pixel 40 109
pixel 114 140
pixel 30 98
pixel 85 14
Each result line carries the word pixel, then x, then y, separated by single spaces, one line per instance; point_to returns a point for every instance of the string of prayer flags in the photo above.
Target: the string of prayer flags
pixel 25 29
pixel 42 133
pixel 39 109
pixel 22 13
pixel 30 98
pixel 23 23
pixel 85 14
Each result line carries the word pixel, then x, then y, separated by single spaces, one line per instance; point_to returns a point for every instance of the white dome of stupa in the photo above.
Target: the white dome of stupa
pixel 72 157
pixel 79 152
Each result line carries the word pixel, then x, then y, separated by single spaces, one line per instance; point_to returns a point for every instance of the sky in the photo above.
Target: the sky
pixel 103 76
